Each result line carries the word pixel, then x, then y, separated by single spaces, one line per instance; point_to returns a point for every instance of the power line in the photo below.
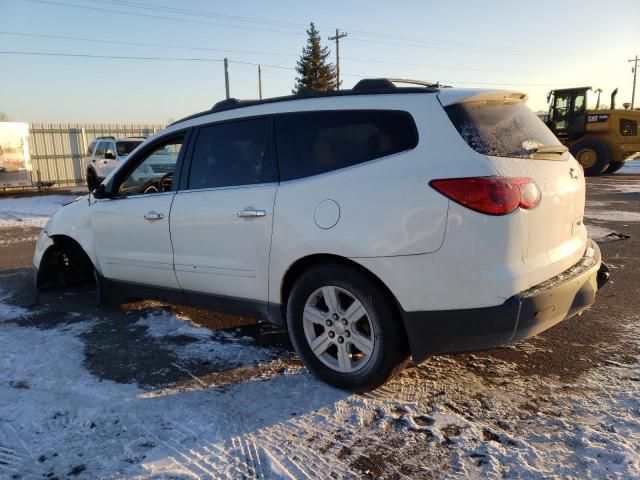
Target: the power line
pixel 116 57
pixel 449 67
pixel 159 45
pixel 171 10
pixel 248 52
pixel 182 59
pixel 161 17
pixel 199 13
pixel 239 18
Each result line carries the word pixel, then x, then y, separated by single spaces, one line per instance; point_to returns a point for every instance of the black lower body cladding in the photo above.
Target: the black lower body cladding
pixel 521 316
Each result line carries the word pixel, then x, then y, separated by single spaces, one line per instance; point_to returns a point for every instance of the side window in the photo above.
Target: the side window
pixel 309 143
pixel 154 170
pixel 110 151
pixel 91 148
pixel 578 104
pixel 232 154
pixel 100 149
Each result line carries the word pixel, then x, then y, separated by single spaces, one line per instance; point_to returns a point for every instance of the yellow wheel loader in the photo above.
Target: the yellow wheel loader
pixel 600 139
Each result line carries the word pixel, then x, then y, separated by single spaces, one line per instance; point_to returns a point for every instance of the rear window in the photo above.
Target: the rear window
pixel 310 143
pixel 125 148
pixel 500 129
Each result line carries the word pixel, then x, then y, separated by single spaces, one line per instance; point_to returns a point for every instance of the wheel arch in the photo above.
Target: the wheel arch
pixel 64 262
pixel 303 264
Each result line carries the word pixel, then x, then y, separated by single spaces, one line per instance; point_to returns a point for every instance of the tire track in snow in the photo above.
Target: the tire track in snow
pixel 15 455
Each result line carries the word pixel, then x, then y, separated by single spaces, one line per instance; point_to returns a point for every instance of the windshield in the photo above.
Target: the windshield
pixel 125 148
pixel 500 129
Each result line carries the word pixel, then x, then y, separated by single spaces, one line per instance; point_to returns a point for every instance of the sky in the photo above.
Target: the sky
pixel 524 46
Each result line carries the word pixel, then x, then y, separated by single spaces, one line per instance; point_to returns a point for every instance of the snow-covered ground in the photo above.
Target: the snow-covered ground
pixel 454 417
pixel 30 211
pixel 631 166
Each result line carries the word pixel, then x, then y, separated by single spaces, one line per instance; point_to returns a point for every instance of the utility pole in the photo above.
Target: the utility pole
pixel 337 39
pixel 635 72
pixel 260 81
pixel 226 76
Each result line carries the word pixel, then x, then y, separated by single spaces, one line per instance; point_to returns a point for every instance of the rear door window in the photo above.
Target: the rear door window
pixel 500 129
pixel 232 154
pixel 310 143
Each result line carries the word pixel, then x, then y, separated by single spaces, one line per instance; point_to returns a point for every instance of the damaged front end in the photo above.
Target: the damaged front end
pixel 60 261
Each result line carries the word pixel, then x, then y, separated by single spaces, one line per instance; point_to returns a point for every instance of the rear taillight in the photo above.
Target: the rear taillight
pixel 490 195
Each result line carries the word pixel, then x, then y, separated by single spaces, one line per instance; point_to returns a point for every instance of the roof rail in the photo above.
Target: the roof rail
pixel 367 86
pixel 418 82
pixel 107 137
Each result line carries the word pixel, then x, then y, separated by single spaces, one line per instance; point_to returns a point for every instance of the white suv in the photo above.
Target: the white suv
pixel 375 223
pixel 105 154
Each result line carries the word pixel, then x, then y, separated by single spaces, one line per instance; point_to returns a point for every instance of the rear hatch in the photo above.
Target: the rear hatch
pixel 518 144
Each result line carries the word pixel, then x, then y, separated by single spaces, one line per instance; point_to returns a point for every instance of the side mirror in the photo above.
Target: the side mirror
pixel 101 192
pixel 110 155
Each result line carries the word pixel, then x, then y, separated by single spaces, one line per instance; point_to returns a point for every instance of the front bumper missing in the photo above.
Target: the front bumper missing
pixel 521 316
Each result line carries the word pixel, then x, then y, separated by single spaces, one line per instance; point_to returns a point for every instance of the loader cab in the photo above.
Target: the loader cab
pixel 567 112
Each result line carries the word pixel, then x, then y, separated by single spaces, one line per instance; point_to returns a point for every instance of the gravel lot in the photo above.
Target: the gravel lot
pixel 148 390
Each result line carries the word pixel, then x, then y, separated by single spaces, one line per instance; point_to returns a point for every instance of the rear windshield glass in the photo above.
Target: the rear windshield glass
pixel 125 148
pixel 500 129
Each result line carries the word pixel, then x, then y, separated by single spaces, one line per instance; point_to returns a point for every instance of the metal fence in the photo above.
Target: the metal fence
pixel 59 151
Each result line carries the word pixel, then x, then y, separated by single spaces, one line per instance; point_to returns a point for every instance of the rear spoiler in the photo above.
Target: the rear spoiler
pixel 453 96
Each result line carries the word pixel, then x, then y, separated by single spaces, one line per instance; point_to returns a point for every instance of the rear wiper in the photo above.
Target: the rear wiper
pixel 549 149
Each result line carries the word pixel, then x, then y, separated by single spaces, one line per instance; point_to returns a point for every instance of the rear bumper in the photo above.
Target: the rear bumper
pixel 521 316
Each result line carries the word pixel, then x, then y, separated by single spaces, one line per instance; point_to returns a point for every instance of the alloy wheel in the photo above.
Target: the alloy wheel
pixel 338 329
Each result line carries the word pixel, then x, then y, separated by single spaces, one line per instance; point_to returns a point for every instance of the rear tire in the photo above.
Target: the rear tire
pixel 92 180
pixel 593 155
pixel 359 342
pixel 614 167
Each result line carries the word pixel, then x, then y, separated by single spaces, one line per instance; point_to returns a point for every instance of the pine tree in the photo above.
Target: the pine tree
pixel 315 73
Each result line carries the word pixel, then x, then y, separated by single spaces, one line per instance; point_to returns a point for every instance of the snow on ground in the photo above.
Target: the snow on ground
pixel 453 417
pixel 203 344
pixel 631 167
pixel 30 211
pixel 610 215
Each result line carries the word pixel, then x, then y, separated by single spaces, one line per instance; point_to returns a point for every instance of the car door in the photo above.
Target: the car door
pixel 131 230
pixel 109 162
pixel 98 158
pixel 221 223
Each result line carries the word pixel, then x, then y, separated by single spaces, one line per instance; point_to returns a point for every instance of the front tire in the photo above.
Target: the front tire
pixel 344 328
pixel 92 180
pixel 593 155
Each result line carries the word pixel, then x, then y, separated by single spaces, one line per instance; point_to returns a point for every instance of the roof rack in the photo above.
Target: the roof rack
pixel 107 137
pixel 140 137
pixel 367 86
pixel 418 82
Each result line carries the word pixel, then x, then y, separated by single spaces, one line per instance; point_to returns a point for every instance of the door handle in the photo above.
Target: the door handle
pixel 153 216
pixel 251 213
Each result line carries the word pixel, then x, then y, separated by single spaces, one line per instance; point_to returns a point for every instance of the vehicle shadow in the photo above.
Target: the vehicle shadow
pixel 118 346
